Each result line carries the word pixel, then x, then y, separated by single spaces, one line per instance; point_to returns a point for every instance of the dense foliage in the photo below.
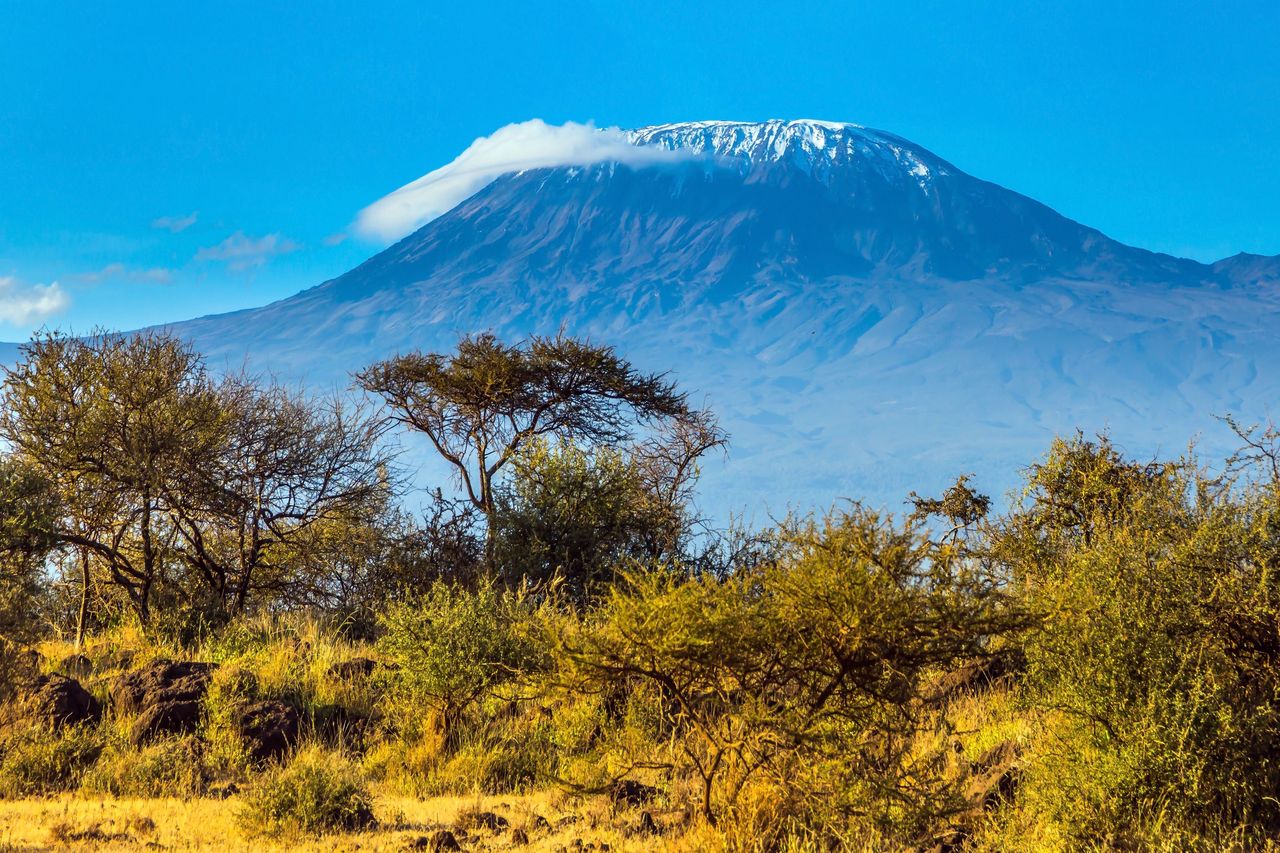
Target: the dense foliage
pixel 1098 667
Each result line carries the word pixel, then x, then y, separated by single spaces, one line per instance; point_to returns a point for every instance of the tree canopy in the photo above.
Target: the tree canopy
pixel 480 404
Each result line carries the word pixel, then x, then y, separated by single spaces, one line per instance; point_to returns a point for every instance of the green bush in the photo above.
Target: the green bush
pixel 26 509
pixel 316 793
pixel 762 676
pixel 574 516
pixel 171 767
pixel 456 647
pixel 38 761
pixel 499 766
pixel 1157 663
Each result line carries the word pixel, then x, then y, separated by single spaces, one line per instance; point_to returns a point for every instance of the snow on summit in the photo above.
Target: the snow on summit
pixel 814 146
pixel 804 141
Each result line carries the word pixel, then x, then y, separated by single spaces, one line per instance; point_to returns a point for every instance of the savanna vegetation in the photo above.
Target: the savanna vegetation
pixel 225 621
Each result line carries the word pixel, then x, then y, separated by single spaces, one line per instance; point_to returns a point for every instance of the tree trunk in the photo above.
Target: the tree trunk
pixel 82 618
pixel 708 784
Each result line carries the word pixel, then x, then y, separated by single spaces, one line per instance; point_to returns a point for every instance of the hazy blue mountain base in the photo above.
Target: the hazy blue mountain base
pixel 866 318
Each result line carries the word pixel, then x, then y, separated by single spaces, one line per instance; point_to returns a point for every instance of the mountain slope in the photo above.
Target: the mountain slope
pixel 866 317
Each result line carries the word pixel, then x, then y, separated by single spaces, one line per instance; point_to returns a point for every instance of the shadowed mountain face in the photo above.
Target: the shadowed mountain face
pixel 867 318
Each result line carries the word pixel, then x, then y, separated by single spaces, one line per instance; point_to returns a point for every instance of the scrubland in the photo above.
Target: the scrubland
pixel 219 630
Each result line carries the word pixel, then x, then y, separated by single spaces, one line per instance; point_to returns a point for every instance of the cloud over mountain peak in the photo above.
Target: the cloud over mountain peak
pixel 517 147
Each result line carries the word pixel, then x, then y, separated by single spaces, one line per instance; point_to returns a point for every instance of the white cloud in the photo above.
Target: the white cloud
pixel 158 275
pixel 514 148
pixel 174 224
pixel 23 304
pixel 335 239
pixel 241 252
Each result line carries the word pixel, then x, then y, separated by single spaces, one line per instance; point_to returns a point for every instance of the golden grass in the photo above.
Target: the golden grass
pixel 82 823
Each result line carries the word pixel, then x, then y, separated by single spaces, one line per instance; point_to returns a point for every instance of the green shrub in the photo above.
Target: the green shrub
pixel 574 515
pixel 171 767
pixel 241 638
pixel 38 761
pixel 316 793
pixel 823 652
pixel 496 767
pixel 456 647
pixel 1157 664
pixel 27 506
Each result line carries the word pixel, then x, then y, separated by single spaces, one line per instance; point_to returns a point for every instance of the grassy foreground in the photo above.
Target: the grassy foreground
pixel 203 824
pixel 1096 670
pixel 200 792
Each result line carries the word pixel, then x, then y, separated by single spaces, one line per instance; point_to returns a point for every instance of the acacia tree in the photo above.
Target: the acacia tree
pixel 481 404
pixel 167 478
pixel 815 658
pixel 287 463
pixel 105 420
pixel 27 509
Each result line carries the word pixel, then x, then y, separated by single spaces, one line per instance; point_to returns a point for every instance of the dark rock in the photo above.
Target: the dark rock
pixel 167 717
pixel 519 837
pixel 443 840
pixel 56 701
pixel 648 826
pixel 540 822
pixel 353 670
pixel 161 681
pixel 76 666
pixel 224 792
pixel 629 792
pixel 481 820
pixel 269 728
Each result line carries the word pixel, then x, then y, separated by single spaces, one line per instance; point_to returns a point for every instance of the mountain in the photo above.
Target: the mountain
pixel 867 318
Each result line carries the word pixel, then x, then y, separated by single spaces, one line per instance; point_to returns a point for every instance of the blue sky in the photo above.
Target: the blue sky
pixel 164 160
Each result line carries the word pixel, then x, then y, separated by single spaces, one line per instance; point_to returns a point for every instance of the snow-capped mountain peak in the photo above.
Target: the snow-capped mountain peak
pixel 866 318
pixel 807 143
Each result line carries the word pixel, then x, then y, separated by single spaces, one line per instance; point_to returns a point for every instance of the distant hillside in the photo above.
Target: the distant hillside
pixel 867 318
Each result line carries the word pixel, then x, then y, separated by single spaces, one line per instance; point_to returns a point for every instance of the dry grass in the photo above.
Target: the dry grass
pixel 80 823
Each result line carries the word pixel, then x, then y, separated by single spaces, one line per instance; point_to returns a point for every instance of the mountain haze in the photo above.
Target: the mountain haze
pixel 866 317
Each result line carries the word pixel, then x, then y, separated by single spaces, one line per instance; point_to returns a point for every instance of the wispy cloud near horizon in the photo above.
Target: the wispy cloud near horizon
pixel 526 145
pixel 156 275
pixel 22 304
pixel 241 252
pixel 175 224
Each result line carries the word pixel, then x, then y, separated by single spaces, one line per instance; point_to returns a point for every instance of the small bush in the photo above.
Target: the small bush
pixel 41 762
pixel 498 767
pixel 457 647
pixel 316 793
pixel 172 767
